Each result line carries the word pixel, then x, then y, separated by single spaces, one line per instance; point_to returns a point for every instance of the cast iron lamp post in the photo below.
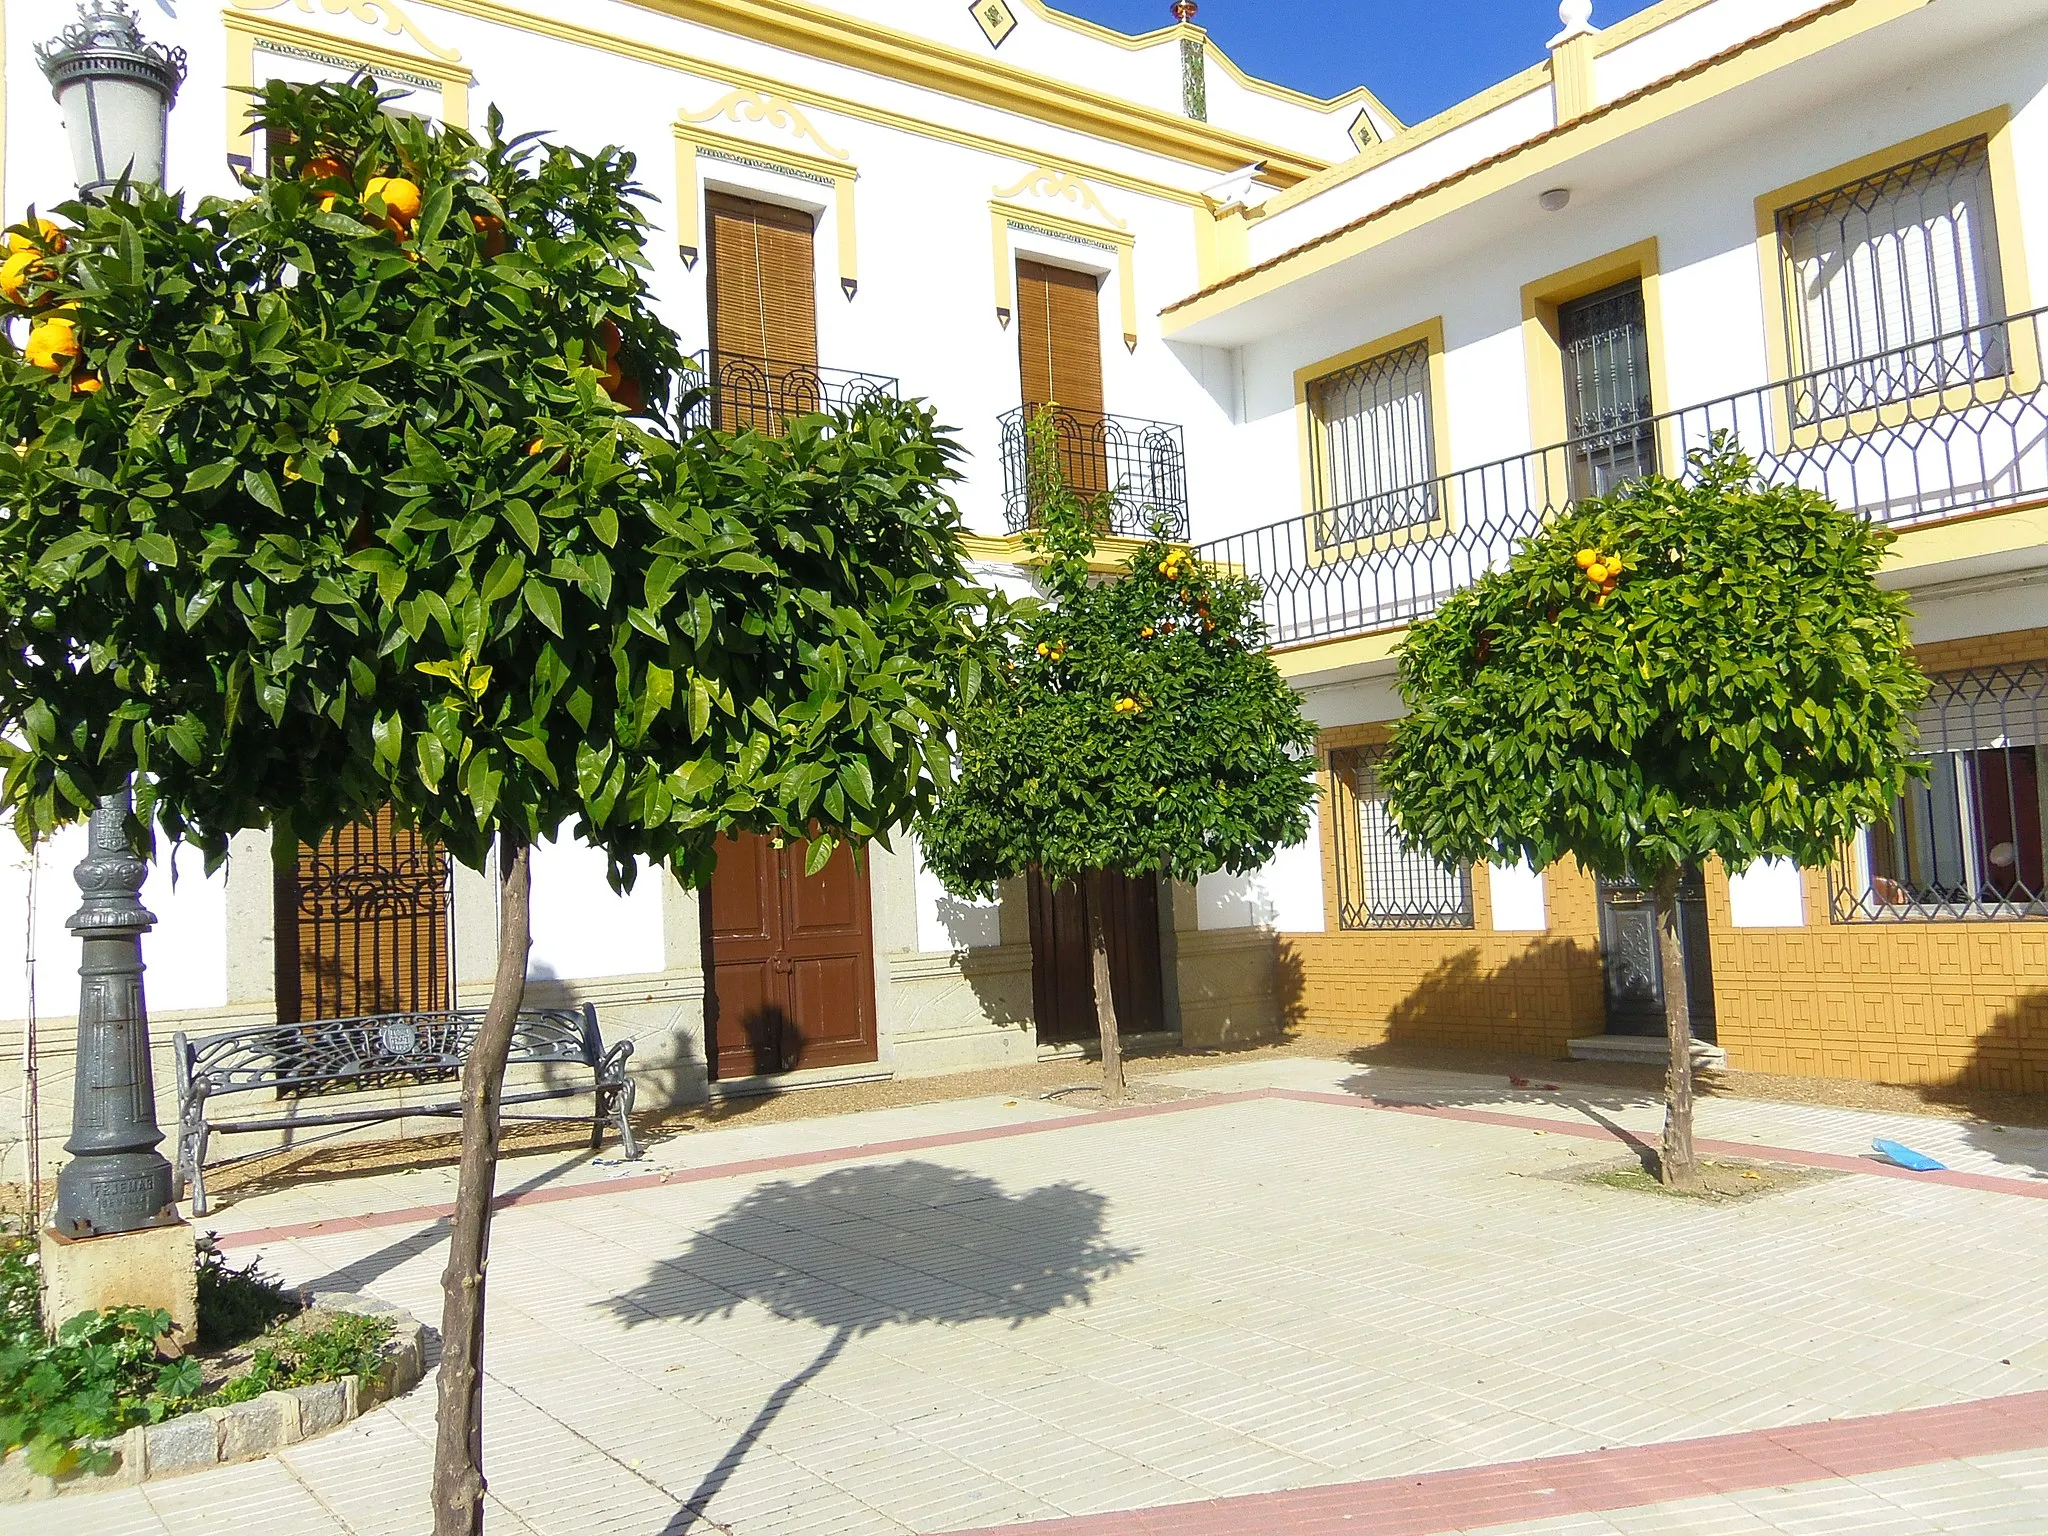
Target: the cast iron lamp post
pixel 116 91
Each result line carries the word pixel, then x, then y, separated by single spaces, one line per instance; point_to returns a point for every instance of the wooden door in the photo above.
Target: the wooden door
pixel 1062 968
pixel 790 961
pixel 1059 359
pixel 764 312
pixel 362 925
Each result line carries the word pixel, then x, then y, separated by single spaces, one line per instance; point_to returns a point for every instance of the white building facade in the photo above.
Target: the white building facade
pixel 1355 357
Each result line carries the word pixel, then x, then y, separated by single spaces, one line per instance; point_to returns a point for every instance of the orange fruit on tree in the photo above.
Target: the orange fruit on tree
pixel 16 272
pixel 52 238
pixel 492 231
pixel 51 343
pixel 89 384
pixel 323 168
pixel 1586 557
pixel 402 199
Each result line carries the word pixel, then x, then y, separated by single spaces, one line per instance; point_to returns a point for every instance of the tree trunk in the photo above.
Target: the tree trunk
pixel 1113 1090
pixel 459 1444
pixel 1676 1164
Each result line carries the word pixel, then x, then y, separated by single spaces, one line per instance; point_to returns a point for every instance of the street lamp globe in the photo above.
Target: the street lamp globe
pixel 116 91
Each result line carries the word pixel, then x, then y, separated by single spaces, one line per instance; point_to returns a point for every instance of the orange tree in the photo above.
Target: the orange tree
pixel 1129 724
pixel 1683 670
pixel 326 497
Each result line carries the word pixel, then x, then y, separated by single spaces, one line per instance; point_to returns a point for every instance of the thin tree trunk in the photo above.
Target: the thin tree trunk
pixel 1677 1166
pixel 459 1443
pixel 1113 1090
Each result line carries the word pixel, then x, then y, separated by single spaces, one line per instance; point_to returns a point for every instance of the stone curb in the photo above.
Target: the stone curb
pixel 241 1431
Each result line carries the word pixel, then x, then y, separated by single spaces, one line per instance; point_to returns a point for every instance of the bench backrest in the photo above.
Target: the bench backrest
pixel 375 1050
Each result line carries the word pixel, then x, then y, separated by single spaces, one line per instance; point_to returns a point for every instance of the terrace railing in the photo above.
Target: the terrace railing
pixel 1948 426
pixel 1141 465
pixel 766 394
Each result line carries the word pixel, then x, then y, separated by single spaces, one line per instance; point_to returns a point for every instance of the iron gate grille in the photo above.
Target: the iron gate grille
pixel 1892 286
pixel 1381 881
pixel 1966 841
pixel 363 925
pixel 1608 404
pixel 1374 464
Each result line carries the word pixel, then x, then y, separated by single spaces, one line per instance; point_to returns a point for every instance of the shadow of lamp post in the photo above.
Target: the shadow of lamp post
pixel 115 91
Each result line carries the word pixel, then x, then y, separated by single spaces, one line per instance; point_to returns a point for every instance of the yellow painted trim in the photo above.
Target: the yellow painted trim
pixel 1431 333
pixel 1571 76
pixel 1113 552
pixel 1049 181
pixel 776 111
pixel 856 44
pixel 768 108
pixel 502 14
pixel 1531 80
pixel 245 31
pixel 1358 95
pixel 1334 655
pixel 371 13
pixel 1814 32
pixel 1222 242
pixel 1006 216
pixel 1543 355
pixel 1773 264
pixel 1999 532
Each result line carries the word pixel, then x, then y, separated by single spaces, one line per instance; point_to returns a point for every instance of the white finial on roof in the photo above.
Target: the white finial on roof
pixel 1577 16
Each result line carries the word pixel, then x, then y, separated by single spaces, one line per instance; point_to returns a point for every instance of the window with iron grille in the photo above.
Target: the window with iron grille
pixel 1381 881
pixel 1966 841
pixel 1892 284
pixel 1373 447
pixel 1605 339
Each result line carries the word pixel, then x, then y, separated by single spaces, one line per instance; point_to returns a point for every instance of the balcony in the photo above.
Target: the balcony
pixel 1140 465
pixel 1954 425
pixel 764 395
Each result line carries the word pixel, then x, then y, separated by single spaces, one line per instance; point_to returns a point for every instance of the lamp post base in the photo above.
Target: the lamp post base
pixel 151 1267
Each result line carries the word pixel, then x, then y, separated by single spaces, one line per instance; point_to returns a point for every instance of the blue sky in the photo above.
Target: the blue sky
pixel 1418 56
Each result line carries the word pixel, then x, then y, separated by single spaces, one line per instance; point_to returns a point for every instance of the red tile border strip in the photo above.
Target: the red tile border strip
pixel 1593 1482
pixel 588 1189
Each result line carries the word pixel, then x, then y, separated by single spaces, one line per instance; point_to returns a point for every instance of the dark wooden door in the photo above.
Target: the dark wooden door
pixel 1605 339
pixel 764 312
pixel 1634 960
pixel 362 925
pixel 1063 970
pixel 790 961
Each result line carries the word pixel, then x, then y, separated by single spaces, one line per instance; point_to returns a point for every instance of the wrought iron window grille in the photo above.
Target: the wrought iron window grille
pixel 1965 843
pixel 1373 467
pixel 736 392
pixel 1381 881
pixel 1974 447
pixel 1892 285
pixel 1140 467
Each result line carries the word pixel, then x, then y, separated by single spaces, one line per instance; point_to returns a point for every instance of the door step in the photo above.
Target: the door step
pixel 811 1077
pixel 1159 1043
pixel 1644 1050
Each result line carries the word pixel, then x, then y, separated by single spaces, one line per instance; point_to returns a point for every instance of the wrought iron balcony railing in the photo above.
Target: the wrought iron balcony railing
pixel 766 394
pixel 1952 425
pixel 1141 466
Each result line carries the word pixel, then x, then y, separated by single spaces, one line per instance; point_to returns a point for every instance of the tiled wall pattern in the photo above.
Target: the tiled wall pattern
pixel 1955 1002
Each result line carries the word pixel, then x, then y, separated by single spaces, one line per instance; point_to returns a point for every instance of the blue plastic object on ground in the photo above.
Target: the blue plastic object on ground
pixel 1906 1157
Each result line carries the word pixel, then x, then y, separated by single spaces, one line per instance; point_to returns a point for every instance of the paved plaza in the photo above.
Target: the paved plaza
pixel 1314 1298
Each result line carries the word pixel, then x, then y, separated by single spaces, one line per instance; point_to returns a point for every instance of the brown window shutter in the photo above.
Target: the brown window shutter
pixel 364 913
pixel 1059 337
pixel 764 302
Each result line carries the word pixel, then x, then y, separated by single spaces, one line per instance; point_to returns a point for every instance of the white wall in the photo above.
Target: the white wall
pixel 1769 894
pixel 1286 894
pixel 583 928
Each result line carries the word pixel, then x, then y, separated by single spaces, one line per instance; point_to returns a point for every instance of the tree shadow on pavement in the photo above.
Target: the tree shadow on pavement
pixel 859 1249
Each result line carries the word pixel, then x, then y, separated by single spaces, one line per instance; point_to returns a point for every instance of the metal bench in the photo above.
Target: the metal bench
pixel 300 1065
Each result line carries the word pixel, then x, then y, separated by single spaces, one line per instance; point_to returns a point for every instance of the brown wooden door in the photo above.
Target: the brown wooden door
pixel 362 925
pixel 791 962
pixel 1059 359
pixel 1062 969
pixel 764 312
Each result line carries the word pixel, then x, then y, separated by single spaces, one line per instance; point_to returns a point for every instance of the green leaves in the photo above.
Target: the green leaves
pixel 1131 724
pixel 1746 691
